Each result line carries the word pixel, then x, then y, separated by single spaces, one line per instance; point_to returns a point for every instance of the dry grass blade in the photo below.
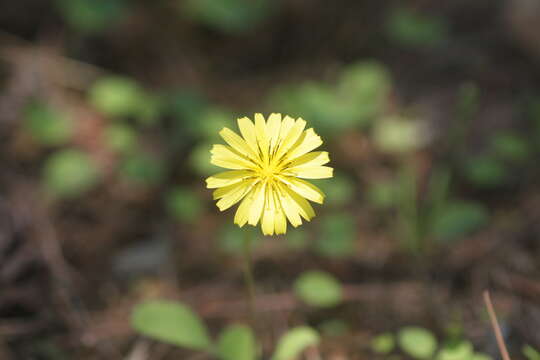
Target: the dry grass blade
pixel 496 328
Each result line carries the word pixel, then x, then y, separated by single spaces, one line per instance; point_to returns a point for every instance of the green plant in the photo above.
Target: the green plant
pixel 176 324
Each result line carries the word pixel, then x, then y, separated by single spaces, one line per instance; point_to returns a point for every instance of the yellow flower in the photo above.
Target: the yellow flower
pixel 268 163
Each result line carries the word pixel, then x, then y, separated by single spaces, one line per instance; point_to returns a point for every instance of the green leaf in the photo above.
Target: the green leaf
pixel 398 135
pixel 237 342
pixel 334 327
pixel 69 173
pixel 231 16
pixel 296 238
pixel 339 191
pixel 459 218
pixel 417 342
pixel 171 322
pixel 486 171
pixel 462 350
pixel 337 236
pixel 382 194
pixel 383 343
pixel 410 28
pixel 199 159
pixel 481 356
pixel 294 342
pixel 231 239
pixel 142 168
pixel 367 85
pixel 183 204
pixel 318 288
pixel 530 353
pixel 90 16
pixel 117 96
pixel 46 125
pixel 511 147
pixel 121 137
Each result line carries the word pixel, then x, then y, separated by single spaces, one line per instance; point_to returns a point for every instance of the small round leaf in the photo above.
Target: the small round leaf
pixel 318 288
pixel 417 342
pixel 171 322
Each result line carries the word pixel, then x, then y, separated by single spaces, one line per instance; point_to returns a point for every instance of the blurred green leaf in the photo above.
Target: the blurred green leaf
pixel 481 356
pixel 237 342
pixel 143 168
pixel 230 16
pixel 367 85
pixel 200 160
pixel 334 327
pixel 318 288
pixel 337 235
pixel 117 96
pixel 530 353
pixel 339 191
pixel 511 147
pixel 212 121
pixel 461 350
pixel 231 239
pixel 294 342
pixel 397 134
pixel 459 218
pixel 382 194
pixel 410 28
pixel 485 171
pixel 171 322
pixel 417 342
pixel 183 204
pixel 296 238
pixel 383 343
pixel 90 16
pixel 46 125
pixel 69 173
pixel 121 137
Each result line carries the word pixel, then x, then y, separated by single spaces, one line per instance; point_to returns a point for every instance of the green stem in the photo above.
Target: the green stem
pixel 248 276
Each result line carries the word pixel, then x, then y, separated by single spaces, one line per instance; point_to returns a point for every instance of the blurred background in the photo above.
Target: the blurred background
pixel 430 112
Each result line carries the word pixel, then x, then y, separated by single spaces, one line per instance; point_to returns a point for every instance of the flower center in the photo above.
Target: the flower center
pixel 267 172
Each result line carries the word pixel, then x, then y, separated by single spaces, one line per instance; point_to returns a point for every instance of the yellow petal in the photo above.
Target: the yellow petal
pixel 280 222
pixel 237 143
pixel 262 136
pixel 269 213
pixel 247 129
pixel 300 204
pixel 315 158
pixel 304 189
pixel 225 156
pixel 234 194
pixel 290 208
pixel 242 213
pixel 257 205
pixel 273 126
pixel 291 137
pixel 310 172
pixel 227 178
pixel 307 142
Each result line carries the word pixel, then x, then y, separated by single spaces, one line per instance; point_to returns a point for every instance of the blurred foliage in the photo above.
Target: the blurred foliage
pixel 294 342
pixel 46 125
pixel 229 16
pixel 237 342
pixel 91 16
pixel 171 322
pixel 383 343
pixel 417 342
pixel 407 27
pixel 337 235
pixel 318 288
pixel 356 99
pixel 69 173
pixel 184 204
pixel 420 343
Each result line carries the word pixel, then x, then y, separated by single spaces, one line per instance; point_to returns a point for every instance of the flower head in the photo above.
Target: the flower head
pixel 267 164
